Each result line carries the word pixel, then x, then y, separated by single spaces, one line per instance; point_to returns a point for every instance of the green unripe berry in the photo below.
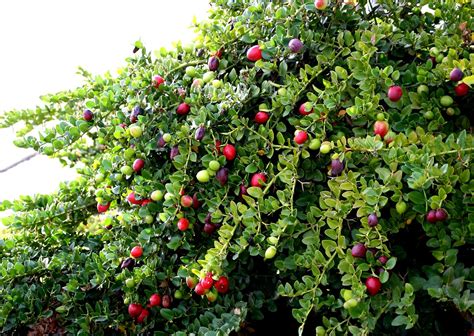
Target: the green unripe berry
pixel 270 252
pixel 214 165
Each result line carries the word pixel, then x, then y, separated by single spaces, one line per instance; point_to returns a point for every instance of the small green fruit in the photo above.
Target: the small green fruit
pixel 208 76
pixel 450 111
pixel 351 303
pixel 99 178
pixel 325 147
pixel 149 219
pixel 157 195
pixel 423 89
pixel 446 101
pixel 314 144
pixel 135 131
pixel 428 115
pixel 167 137
pixel 163 216
pixel 130 283
pixel 273 240
pixel 203 176
pixel 191 71
pixel 129 153
pixel 347 294
pixel 401 207
pixel 214 165
pixel 380 117
pixel 320 331
pixel 178 295
pixel 168 196
pixel 217 83
pixel 282 91
pixel 270 252
pixel 126 170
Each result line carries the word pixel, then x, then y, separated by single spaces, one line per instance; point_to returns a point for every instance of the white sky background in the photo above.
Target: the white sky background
pixel 43 42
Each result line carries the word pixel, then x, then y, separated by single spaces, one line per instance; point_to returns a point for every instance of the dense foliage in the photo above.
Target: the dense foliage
pixel 360 222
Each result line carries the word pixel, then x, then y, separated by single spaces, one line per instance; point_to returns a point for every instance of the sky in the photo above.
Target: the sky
pixel 43 42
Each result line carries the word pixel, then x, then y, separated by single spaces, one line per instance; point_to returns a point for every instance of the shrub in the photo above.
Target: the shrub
pixel 329 180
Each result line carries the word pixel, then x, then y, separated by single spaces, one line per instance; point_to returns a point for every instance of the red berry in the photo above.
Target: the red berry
pixel 209 228
pixel 155 300
pixel 134 309
pixel 183 109
pixel 359 250
pixel 88 115
pixel 300 137
pixel 199 289
pixel 186 201
pixel 441 215
pixel 381 128
pixel 183 224
pixel 431 216
pixel 261 117
pixel 196 203
pixel 145 202
pixel 373 285
pixel 218 147
pixel 136 252
pixel 143 315
pixel 222 285
pixel 191 282
pixel 207 282
pixel 166 301
pixel 254 53
pixel 303 110
pixel 461 89
pixel 138 165
pixel 157 81
pixel 229 152
pixel 395 93
pixel 258 179
pixel 103 207
pixel 132 198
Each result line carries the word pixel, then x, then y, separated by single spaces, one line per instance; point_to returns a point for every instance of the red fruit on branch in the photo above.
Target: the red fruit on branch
pixel 300 137
pixel 373 285
pixel 191 282
pixel 157 80
pixel 138 165
pixel 305 109
pixel 186 201
pixel 199 289
pixel 155 300
pixel 254 53
pixel 88 115
pixel 166 301
pixel 395 93
pixel 134 309
pixel 132 198
pixel 441 215
pixel 222 285
pixel 258 179
pixel 136 252
pixel 381 128
pixel 103 207
pixel 431 216
pixel 261 117
pixel 207 282
pixel 143 315
pixel 461 89
pixel 229 152
pixel 183 109
pixel 183 224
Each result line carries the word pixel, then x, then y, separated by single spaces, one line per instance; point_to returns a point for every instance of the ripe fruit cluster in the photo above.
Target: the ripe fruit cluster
pixel 438 215
pixel 208 287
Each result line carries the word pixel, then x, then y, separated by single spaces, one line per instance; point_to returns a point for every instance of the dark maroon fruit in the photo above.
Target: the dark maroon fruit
pixel 222 175
pixel 208 219
pixel 174 152
pixel 431 216
pixel 383 259
pixel 243 190
pixel 213 63
pixel 166 301
pixel 359 250
pixel 209 228
pixel 88 115
pixel 128 263
pixel 336 167
pixel 372 220
pixel 161 142
pixel 137 110
pixel 441 215
pixel 200 132
pixel 196 202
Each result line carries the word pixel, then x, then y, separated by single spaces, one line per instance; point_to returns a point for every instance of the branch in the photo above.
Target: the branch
pixel 26 158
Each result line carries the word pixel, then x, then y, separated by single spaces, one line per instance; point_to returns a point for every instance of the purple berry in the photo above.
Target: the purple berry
pixel 372 220
pixel 161 142
pixel 222 175
pixel 441 215
pixel 336 167
pixel 295 45
pixel 213 63
pixel 200 132
pixel 456 75
pixel 383 259
pixel 209 228
pixel 174 152
pixel 88 115
pixel 359 250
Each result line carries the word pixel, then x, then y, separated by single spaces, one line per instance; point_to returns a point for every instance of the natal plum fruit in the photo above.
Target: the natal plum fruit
pixel 258 179
pixel 254 53
pixel 88 115
pixel 456 75
pixel 373 285
pixel 372 220
pixel 359 250
pixel 295 45
pixel 134 309
pixel 183 109
pixel 395 92
pixel 431 216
